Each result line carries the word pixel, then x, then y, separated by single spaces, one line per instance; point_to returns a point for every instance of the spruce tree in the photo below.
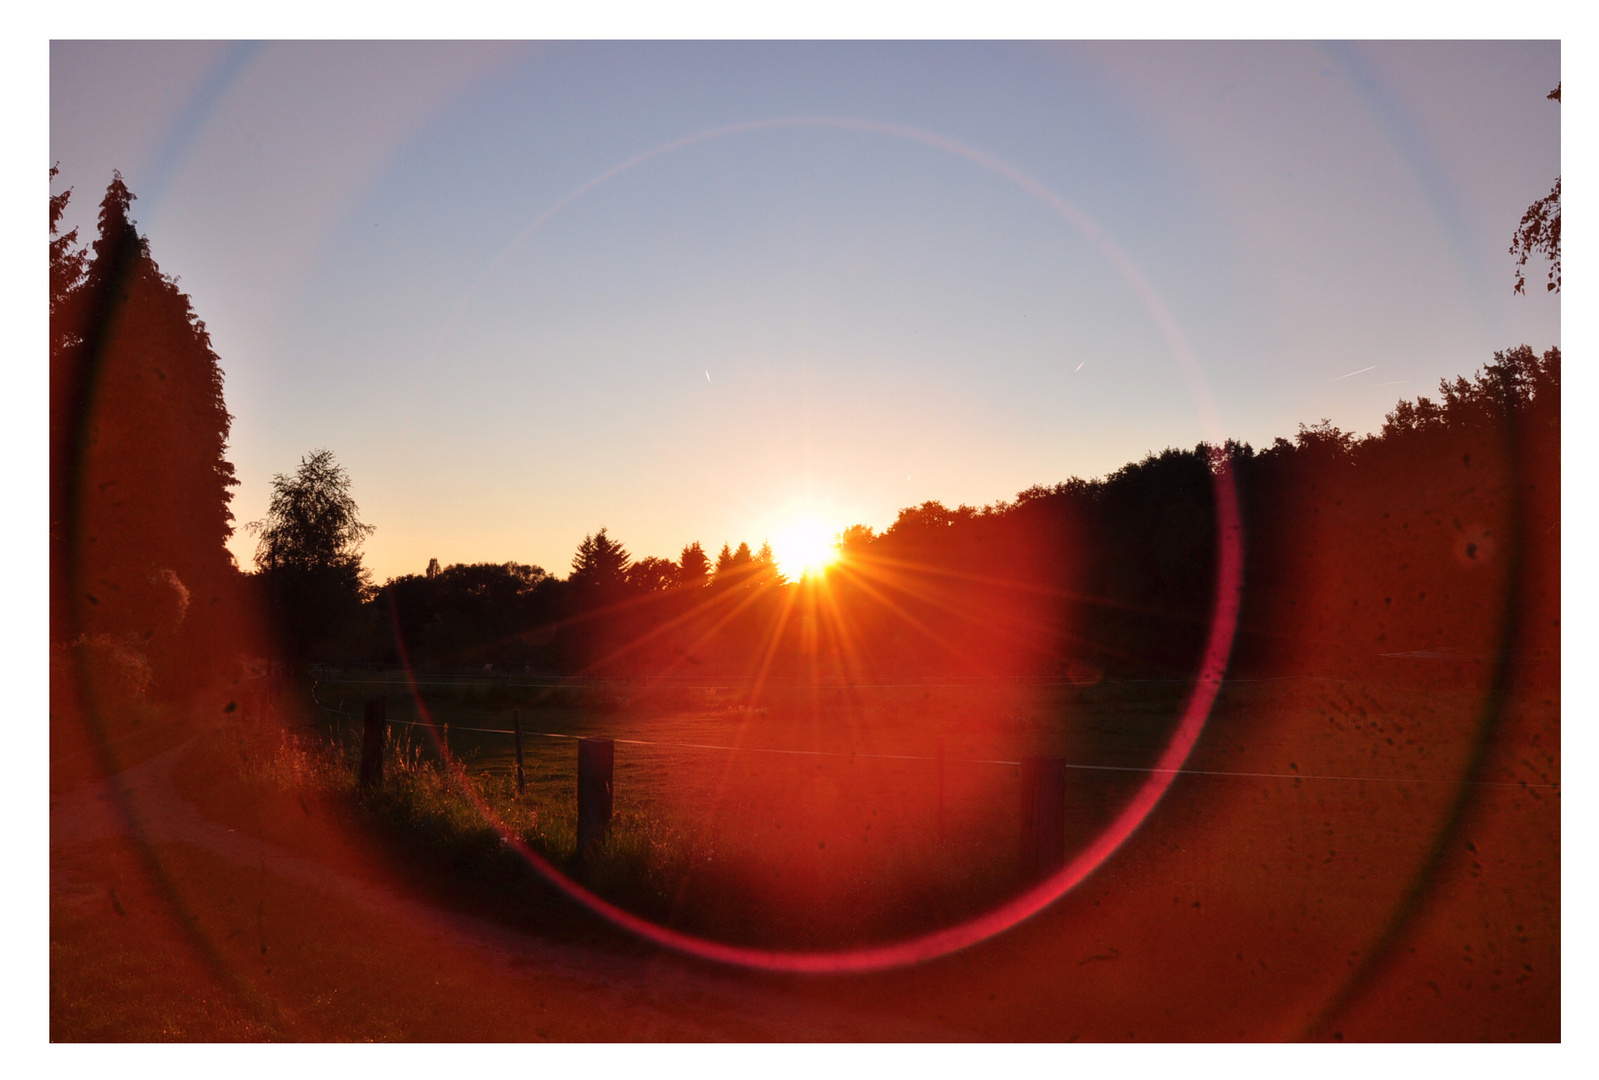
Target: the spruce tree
pixel 141 485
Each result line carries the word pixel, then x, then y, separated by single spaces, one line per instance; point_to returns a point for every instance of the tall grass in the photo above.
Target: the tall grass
pixel 757 849
pixel 460 819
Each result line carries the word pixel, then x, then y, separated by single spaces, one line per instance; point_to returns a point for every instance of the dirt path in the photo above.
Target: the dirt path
pixel 577 993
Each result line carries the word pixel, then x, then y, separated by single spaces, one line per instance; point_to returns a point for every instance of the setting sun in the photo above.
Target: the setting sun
pixel 780 538
pixel 804 548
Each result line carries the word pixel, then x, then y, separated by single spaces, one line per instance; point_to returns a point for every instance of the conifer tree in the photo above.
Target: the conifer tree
pixel 140 485
pixel 694 566
pixel 600 564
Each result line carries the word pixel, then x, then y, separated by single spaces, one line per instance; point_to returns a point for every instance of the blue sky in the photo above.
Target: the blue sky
pixel 908 271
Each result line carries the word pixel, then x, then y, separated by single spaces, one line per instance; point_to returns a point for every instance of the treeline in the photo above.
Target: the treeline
pixel 1438 535
pixel 1421 538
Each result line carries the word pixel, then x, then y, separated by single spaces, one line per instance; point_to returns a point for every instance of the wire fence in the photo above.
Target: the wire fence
pixel 1075 766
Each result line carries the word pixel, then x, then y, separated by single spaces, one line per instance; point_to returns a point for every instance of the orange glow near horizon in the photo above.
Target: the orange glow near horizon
pixel 805 549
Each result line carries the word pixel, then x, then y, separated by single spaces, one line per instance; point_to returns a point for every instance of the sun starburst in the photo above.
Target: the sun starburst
pixel 804 549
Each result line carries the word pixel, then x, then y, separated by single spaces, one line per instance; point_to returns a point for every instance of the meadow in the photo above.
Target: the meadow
pixel 836 815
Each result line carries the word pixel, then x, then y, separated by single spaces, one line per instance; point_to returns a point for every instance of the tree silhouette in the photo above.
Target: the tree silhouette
pixel 856 538
pixel 140 486
pixel 733 565
pixel 652 574
pixel 309 557
pixel 1539 231
pixel 462 613
pixel 592 599
pixel 312 520
pixel 693 567
pixel 600 564
pixel 68 266
pixel 764 565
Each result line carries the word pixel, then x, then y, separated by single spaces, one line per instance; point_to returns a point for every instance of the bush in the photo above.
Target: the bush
pixel 113 675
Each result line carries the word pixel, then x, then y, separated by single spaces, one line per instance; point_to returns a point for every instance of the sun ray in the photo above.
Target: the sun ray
pixel 904 577
pixel 774 639
pixel 890 605
pixel 745 602
pixel 702 606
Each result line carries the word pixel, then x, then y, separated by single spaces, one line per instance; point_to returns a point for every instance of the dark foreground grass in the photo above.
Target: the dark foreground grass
pixel 818 818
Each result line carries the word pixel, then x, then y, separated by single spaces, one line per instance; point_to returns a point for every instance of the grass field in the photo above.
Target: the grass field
pixel 822 817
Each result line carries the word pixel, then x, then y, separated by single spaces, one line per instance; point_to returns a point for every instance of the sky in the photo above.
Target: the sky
pixel 699 291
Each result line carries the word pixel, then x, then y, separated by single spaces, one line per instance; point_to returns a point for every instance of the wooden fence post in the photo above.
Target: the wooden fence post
pixel 516 728
pixel 374 727
pixel 595 759
pixel 1043 815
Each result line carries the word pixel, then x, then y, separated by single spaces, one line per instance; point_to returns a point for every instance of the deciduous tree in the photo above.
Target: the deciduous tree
pixel 309 557
pixel 652 574
pixel 1539 232
pixel 312 520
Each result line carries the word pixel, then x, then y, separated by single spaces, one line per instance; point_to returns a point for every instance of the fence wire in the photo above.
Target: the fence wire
pixel 1078 766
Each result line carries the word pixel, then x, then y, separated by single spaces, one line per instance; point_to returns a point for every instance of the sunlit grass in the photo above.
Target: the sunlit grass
pixel 729 845
pixel 832 840
pixel 461 817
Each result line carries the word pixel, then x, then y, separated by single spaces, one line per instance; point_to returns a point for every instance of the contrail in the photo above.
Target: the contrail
pixel 1364 369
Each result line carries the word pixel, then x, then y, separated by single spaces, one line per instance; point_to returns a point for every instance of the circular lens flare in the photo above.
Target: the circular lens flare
pixel 806 554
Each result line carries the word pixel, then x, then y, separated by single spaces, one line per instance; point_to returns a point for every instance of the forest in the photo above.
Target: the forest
pixel 1435 538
